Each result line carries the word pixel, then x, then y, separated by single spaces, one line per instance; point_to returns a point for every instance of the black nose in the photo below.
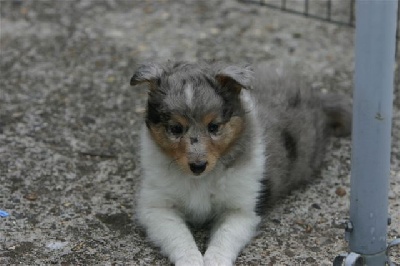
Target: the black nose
pixel 198 167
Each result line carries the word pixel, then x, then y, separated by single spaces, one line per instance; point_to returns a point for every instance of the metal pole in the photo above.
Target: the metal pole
pixel 372 120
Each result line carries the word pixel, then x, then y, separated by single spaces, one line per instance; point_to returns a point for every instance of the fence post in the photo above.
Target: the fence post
pixel 371 140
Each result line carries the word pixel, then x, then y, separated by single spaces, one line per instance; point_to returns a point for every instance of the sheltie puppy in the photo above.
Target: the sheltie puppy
pixel 219 144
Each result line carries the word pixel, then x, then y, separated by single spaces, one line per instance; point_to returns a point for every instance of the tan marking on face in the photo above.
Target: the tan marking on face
pixel 229 133
pixel 180 119
pixel 208 118
pixel 176 150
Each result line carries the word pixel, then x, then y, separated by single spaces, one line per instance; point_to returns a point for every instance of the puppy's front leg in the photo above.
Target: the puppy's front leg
pixel 167 229
pixel 234 230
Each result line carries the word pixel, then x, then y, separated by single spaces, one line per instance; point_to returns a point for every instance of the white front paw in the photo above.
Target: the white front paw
pixel 216 259
pixel 195 259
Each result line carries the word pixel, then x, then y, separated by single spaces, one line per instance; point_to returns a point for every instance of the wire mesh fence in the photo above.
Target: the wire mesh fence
pixel 336 12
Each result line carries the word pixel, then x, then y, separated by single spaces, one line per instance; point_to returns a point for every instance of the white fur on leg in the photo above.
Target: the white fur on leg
pixel 169 231
pixel 229 236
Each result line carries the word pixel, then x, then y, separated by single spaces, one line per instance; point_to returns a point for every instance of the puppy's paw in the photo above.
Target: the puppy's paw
pixel 215 259
pixel 190 259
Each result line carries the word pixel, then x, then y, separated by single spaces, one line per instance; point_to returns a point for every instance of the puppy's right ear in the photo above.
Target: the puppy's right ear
pixel 235 78
pixel 150 73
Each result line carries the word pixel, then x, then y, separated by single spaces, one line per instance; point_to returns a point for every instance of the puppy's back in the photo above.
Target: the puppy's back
pixel 297 122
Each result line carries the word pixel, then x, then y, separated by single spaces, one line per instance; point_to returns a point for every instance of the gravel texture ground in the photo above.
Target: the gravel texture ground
pixel 69 125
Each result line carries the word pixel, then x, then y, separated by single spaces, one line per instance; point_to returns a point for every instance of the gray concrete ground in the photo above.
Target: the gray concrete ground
pixel 69 125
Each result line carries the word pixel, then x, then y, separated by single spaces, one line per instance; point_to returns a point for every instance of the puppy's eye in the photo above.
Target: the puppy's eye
pixel 213 128
pixel 175 129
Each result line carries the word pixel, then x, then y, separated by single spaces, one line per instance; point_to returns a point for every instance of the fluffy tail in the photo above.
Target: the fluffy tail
pixel 338 110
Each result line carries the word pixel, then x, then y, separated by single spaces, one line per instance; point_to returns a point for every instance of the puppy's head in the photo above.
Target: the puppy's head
pixel 194 112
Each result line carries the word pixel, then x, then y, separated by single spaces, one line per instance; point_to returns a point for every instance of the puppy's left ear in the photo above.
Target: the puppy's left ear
pixel 235 78
pixel 150 73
